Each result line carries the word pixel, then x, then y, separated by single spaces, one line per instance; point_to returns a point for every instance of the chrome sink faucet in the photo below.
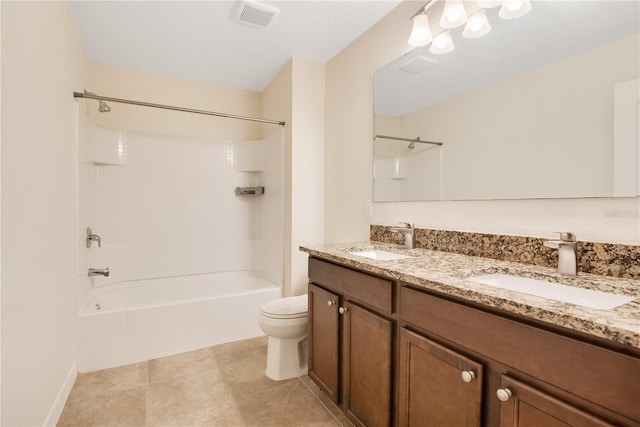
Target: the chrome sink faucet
pixel 567 258
pixel 409 231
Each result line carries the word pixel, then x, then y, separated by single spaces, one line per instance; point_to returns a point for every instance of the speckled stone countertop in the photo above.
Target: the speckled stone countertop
pixel 448 273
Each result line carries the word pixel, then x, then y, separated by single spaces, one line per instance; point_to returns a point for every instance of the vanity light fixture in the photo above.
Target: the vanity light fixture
pixel 454 15
pixel 477 25
pixel 442 43
pixel 514 8
pixel 420 33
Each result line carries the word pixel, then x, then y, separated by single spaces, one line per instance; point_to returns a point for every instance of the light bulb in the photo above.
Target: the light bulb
pixel 514 5
pixel 442 43
pixel 514 9
pixel 420 33
pixel 454 14
pixel 477 25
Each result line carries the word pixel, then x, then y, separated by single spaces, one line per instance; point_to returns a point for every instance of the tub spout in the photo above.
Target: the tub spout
pixel 99 272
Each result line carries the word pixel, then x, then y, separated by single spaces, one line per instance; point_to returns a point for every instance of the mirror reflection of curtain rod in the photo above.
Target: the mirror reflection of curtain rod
pixel 397 138
pixel 91 95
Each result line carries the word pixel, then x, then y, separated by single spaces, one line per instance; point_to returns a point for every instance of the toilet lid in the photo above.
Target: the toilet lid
pixel 286 307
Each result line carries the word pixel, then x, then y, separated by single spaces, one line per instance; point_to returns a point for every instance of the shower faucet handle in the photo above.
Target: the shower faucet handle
pixel 92 238
pixel 99 272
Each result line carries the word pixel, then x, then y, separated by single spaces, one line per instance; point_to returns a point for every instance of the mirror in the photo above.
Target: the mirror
pixel 527 111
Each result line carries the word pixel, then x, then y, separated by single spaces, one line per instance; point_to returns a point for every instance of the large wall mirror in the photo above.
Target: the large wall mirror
pixel 527 111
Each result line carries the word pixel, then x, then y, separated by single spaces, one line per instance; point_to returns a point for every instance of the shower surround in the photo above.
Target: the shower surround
pixel 181 247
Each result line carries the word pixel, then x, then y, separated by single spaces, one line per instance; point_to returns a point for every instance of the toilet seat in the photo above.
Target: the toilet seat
pixel 286 308
pixel 285 321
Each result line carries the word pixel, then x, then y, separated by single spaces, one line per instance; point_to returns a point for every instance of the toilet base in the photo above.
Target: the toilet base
pixel 287 357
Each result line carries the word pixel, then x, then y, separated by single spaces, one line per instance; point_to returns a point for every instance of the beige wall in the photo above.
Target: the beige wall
pixel 349 123
pixel 348 162
pixel 296 95
pixel 43 62
pixel 277 102
pixel 116 82
pixel 307 166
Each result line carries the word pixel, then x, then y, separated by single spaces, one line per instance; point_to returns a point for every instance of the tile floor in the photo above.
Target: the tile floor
pixel 223 385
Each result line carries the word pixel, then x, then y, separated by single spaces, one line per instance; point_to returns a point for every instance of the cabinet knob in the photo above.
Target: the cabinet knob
pixel 342 310
pixel 467 376
pixel 331 303
pixel 503 394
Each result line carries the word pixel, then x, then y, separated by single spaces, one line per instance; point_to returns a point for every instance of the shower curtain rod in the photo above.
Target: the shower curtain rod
pixel 171 107
pixel 397 138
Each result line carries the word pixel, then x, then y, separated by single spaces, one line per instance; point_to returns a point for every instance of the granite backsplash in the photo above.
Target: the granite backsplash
pixel 606 259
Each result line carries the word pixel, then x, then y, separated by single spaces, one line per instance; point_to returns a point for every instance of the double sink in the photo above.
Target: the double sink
pixel 541 288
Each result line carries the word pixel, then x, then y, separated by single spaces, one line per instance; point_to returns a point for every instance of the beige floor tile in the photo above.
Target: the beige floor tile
pixel 107 381
pixel 242 367
pixel 344 421
pixel 194 400
pixel 223 385
pixel 119 408
pixel 291 404
pixel 185 364
pixel 326 402
pixel 226 415
pixel 230 351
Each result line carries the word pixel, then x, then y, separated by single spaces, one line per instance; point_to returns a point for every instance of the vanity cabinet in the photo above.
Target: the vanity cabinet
pixel 392 353
pixel 351 334
pixel 530 376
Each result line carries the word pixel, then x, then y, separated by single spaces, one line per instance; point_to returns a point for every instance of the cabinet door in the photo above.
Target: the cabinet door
pixel 438 387
pixel 366 366
pixel 525 406
pixel 324 340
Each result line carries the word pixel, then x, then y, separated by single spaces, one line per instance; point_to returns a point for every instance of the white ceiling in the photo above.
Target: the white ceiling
pixel 200 40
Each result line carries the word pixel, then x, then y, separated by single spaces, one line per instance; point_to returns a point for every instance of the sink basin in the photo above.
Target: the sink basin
pixel 379 254
pixel 555 291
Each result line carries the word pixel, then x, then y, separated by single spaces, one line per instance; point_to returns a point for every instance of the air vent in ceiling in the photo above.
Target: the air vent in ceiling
pixel 418 64
pixel 255 14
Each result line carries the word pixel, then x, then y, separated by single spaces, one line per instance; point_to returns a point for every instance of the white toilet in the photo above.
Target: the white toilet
pixel 285 321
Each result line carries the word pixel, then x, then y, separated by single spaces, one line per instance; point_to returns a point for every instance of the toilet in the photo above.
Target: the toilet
pixel 286 322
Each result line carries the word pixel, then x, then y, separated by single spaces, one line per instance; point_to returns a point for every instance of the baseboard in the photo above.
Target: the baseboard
pixel 61 399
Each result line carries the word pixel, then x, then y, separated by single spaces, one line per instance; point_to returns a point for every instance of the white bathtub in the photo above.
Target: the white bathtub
pixel 135 321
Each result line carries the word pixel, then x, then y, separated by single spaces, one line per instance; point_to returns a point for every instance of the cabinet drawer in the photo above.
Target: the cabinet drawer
pixel 371 290
pixel 593 373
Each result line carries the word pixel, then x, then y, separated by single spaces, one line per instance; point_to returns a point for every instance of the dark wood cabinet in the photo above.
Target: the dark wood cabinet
pixel 324 341
pixel 390 353
pixel 438 386
pixel 552 378
pixel 351 341
pixel 366 366
pixel 526 406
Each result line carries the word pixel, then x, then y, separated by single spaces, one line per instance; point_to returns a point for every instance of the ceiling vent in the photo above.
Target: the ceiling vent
pixel 418 64
pixel 255 14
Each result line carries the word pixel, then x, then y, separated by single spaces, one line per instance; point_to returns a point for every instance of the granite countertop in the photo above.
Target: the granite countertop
pixel 448 273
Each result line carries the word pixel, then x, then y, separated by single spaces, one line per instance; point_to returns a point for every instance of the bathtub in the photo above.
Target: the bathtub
pixel 140 320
